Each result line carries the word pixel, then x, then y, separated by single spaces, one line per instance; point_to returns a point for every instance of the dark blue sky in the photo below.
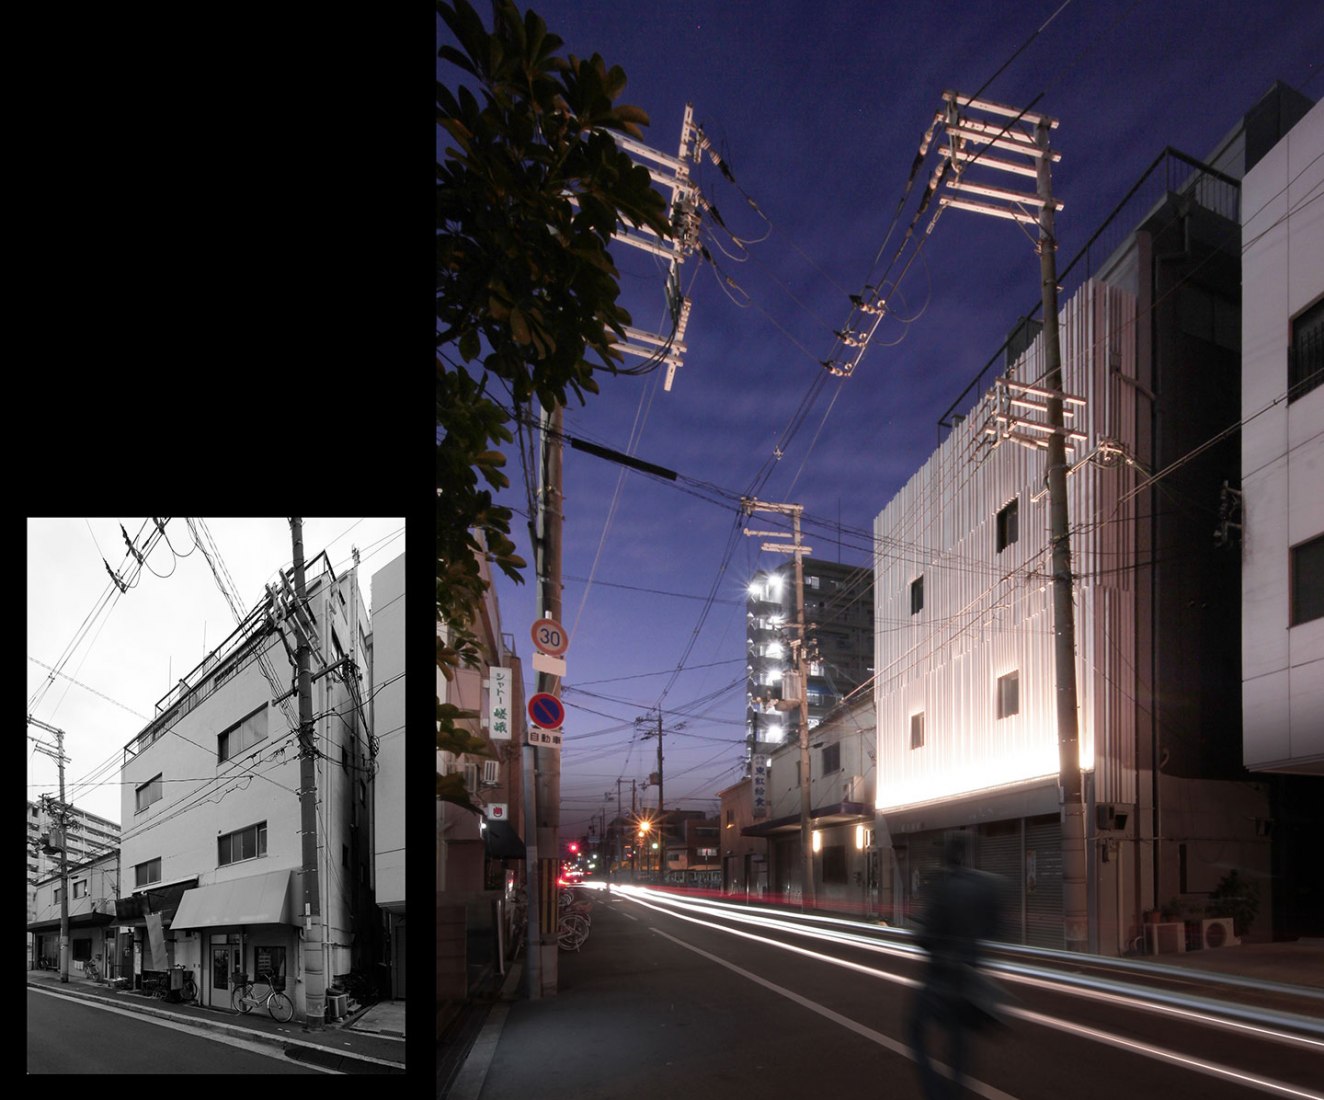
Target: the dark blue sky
pixel 818 110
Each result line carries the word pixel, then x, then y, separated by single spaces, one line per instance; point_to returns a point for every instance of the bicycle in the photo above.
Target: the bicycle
pixel 244 998
pixel 90 972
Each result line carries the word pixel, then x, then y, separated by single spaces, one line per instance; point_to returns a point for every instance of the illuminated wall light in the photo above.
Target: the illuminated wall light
pixel 775 585
pixel 859 837
pixel 818 841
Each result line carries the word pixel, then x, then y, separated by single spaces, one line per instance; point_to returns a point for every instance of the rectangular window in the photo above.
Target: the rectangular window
pixel 80 889
pixel 1009 701
pixel 146 873
pixel 243 844
pixel 831 758
pixel 916 595
pixel 245 733
pixel 917 730
pixel 82 950
pixel 1007 526
pixel 59 893
pixel 1308 580
pixel 149 792
pixel 1305 356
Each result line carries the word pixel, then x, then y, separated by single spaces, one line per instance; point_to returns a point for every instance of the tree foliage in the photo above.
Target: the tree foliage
pixel 530 188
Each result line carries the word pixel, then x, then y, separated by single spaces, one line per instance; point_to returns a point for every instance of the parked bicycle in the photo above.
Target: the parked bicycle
pixel 245 998
pixel 91 972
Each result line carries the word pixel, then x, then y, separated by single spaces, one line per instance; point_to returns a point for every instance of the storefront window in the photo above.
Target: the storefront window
pixel 271 961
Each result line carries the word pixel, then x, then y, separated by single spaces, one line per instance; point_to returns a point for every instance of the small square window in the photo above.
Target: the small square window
pixel 1305 356
pixel 1009 689
pixel 917 730
pixel 1008 523
pixel 917 595
pixel 1308 581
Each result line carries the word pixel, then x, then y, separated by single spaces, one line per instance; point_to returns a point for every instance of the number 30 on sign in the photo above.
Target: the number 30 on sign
pixel 549 637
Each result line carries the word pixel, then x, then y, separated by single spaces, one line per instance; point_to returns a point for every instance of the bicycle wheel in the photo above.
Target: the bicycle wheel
pixel 571 932
pixel 280 1007
pixel 241 999
pixel 190 990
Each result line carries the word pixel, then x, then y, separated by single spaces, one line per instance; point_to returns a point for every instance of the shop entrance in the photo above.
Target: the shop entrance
pixel 226 961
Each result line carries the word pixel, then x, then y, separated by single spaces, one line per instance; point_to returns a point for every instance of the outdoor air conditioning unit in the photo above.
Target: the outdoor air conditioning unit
pixel 491 773
pixel 1218 932
pixel 336 1004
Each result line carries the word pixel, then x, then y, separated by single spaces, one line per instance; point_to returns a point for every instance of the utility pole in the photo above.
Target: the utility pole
pixel 543 764
pixel 63 818
pixel 314 971
pixel 1007 133
pixel 798 550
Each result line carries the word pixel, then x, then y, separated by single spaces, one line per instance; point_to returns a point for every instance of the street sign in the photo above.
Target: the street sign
pixel 550 739
pixel 550 637
pixel 496 811
pixel 546 711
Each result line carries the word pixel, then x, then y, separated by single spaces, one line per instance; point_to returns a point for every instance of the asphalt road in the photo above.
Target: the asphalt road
pixel 665 1001
pixel 70 1036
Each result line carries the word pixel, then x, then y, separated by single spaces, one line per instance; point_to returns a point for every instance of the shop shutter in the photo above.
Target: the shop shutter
pixel 998 852
pixel 1043 897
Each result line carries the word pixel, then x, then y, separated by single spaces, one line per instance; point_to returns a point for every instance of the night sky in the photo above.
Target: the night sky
pixel 818 111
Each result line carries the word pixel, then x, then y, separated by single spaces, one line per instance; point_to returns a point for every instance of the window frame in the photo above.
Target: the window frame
pixel 224 752
pixel 138 880
pixel 138 793
pixel 834 759
pixel 1009 684
pixel 917 595
pixel 259 831
pixel 1315 604
pixel 1308 324
pixel 1008 524
pixel 917 743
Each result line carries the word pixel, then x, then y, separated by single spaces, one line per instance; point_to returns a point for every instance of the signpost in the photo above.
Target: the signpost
pixel 550 637
pixel 546 711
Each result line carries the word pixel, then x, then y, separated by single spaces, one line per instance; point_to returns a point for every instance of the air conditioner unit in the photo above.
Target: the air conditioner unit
pixel 470 777
pixel 491 773
pixel 1218 932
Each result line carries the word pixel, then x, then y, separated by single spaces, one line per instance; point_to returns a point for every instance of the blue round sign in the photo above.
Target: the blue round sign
pixel 546 711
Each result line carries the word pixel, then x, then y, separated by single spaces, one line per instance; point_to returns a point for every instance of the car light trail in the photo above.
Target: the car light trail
pixel 1148 1050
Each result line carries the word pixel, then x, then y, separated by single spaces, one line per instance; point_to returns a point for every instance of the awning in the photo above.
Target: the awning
pixel 83 920
pixel 824 817
pixel 162 899
pixel 502 841
pixel 254 899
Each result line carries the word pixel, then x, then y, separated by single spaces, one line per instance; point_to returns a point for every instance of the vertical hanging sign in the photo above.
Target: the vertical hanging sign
pixel 498 703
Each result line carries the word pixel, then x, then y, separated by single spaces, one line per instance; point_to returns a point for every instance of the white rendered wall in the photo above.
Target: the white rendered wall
pixel 1282 452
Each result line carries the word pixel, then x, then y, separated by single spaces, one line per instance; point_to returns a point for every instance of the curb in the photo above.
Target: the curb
pixel 344 1061
pixel 468 1083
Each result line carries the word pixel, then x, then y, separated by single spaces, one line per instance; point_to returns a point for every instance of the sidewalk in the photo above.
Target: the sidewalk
pixel 370 1041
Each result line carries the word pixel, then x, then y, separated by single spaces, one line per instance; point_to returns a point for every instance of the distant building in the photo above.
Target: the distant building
pixel 212 861
pixel 93 887
pixel 387 722
pixel 838 608
pixel 88 836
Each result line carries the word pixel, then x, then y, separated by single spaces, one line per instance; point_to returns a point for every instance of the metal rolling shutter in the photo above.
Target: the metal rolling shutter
pixel 1043 902
pixel 998 852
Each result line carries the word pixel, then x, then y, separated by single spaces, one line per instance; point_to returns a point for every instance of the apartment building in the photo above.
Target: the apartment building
pixel 212 859
pixel 86 835
pixel 93 888
pixel 1278 516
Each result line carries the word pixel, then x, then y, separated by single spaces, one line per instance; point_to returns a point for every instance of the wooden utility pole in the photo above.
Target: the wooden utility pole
pixel 971 138
pixel 1074 899
pixel 798 550
pixel 63 819
pixel 314 963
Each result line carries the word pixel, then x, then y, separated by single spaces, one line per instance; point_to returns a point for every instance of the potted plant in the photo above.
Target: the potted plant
pixel 1237 898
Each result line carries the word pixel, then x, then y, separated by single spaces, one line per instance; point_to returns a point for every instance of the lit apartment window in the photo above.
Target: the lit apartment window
pixel 1305 356
pixel 147 873
pixel 245 733
pixel 1009 691
pixel 149 792
pixel 917 730
pixel 916 595
pixel 242 844
pixel 1007 525
pixel 1308 581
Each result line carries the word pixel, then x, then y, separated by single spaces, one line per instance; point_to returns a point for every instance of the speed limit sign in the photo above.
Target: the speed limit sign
pixel 549 637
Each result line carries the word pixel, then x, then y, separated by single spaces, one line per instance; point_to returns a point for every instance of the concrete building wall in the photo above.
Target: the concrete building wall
pixel 1282 454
